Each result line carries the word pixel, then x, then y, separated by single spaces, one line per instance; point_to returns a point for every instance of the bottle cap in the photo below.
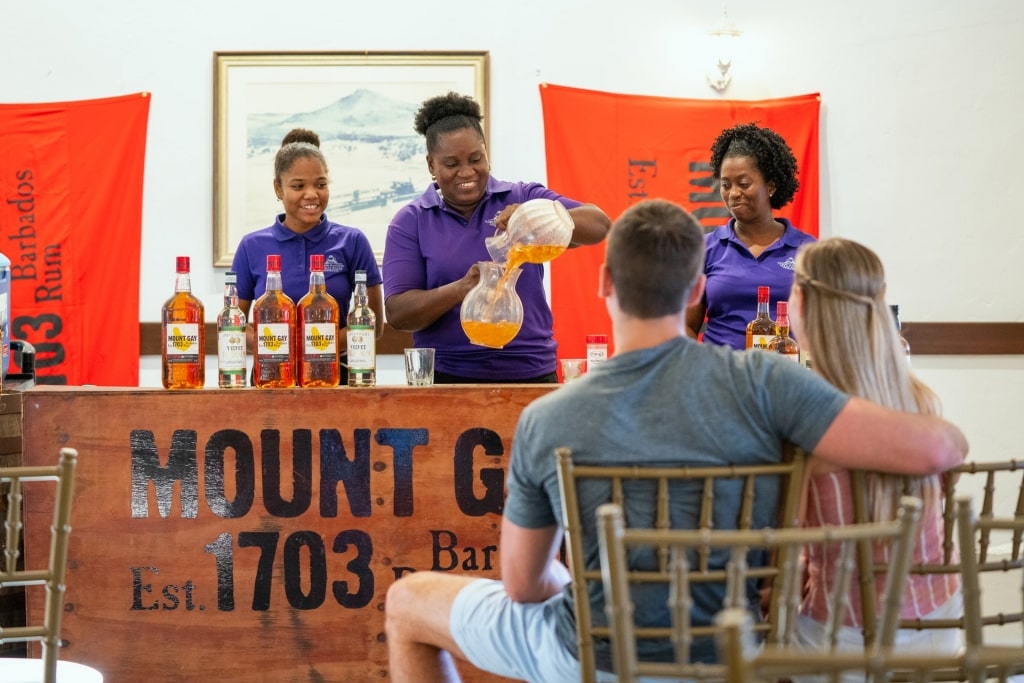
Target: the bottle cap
pixel 230 278
pixel 762 292
pixel 273 262
pixel 316 262
pixel 182 264
pixel 360 276
pixel 781 308
pixel 597 338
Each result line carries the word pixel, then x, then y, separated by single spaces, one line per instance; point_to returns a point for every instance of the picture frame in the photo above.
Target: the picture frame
pixel 361 104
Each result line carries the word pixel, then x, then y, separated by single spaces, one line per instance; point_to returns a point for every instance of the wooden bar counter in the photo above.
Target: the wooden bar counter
pixel 252 535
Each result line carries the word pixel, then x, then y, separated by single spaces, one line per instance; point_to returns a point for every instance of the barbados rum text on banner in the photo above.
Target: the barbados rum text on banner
pixel 615 150
pixel 70 222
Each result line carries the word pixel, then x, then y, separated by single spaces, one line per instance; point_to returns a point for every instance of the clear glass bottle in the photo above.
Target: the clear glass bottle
pixel 782 342
pixel 273 321
pixel 761 329
pixel 597 350
pixel 231 338
pixel 182 356
pixel 895 308
pixel 362 337
pixel 318 318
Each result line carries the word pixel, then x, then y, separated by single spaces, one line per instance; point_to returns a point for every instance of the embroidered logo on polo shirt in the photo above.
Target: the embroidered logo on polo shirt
pixel 333 265
pixel 788 264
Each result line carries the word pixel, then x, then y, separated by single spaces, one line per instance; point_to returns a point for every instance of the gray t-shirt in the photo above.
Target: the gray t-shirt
pixel 680 403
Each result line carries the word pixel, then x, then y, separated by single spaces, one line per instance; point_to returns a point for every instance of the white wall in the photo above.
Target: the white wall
pixel 921 115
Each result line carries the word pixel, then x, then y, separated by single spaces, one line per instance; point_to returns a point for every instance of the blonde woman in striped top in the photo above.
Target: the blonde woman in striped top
pixel 839 313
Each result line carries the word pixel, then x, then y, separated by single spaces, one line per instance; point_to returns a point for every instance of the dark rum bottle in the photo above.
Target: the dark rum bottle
pixel 317 315
pixel 761 329
pixel 273 321
pixel 182 356
pixel 895 309
pixel 782 342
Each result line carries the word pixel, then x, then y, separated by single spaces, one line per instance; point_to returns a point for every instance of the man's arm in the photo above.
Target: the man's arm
pixel 867 436
pixel 530 569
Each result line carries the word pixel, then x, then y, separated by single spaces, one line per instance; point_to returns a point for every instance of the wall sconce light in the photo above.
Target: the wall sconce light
pixel 724 40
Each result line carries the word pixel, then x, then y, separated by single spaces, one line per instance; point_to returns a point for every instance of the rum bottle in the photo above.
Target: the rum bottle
pixel 895 308
pixel 182 319
pixel 273 321
pixel 782 342
pixel 761 329
pixel 362 337
pixel 318 318
pixel 231 338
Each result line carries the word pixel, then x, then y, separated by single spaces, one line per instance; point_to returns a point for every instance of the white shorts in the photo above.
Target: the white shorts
pixel 512 639
pixel 810 636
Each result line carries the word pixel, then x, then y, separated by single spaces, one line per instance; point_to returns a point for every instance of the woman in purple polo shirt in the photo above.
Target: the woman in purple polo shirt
pixel 757 171
pixel 434 243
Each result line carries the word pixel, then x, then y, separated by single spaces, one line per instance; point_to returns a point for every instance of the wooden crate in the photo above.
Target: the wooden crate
pixel 202 526
pixel 12 598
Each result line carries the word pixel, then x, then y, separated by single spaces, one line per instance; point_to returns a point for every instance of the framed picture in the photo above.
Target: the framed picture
pixel 361 104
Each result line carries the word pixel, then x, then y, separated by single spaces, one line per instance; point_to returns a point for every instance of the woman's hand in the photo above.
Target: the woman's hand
pixel 501 220
pixel 470 279
pixel 416 309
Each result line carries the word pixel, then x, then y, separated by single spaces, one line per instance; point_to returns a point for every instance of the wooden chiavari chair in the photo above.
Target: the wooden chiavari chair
pixel 978 661
pixel 772 490
pixel 1000 486
pixel 747 663
pixel 680 555
pixel 16 571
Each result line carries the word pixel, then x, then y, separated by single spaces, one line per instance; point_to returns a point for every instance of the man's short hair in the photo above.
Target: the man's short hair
pixel 654 255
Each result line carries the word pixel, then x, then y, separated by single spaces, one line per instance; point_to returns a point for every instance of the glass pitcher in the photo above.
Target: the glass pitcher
pixel 538 231
pixel 492 312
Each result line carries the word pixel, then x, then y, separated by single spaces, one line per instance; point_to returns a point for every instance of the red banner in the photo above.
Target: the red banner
pixel 615 150
pixel 71 224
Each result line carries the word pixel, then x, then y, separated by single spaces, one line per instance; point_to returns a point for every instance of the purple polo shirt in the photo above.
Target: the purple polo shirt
pixel 345 251
pixel 733 276
pixel 429 245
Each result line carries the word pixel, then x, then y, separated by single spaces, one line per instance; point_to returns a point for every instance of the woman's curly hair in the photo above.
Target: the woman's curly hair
pixel 445 114
pixel 769 151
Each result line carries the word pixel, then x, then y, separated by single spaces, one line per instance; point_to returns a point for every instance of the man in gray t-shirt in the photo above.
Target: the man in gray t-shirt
pixel 628 411
pixel 662 399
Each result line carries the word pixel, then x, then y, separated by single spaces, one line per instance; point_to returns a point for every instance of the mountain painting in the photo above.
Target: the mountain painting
pixel 362 105
pixel 376 160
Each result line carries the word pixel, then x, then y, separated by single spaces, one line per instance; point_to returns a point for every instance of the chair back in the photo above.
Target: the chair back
pixel 1000 486
pixel 15 570
pixel 755 487
pixel 746 663
pixel 679 568
pixel 977 537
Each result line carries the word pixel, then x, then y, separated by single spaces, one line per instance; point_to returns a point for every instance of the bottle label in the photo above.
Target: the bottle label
pixel 760 341
pixel 272 341
pixel 362 348
pixel 231 350
pixel 182 342
pixel 319 341
pixel 596 354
